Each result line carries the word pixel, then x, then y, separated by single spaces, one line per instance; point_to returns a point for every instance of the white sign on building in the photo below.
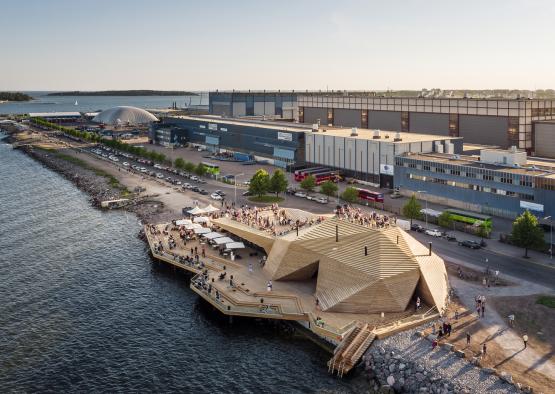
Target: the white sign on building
pixel 285 136
pixel 531 206
pixel 213 126
pixel 386 169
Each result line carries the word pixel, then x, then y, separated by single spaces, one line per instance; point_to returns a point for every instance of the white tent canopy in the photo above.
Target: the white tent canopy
pixel 196 211
pixel 210 208
pixel 192 226
pixel 430 212
pixel 182 222
pixel 223 240
pixel 213 235
pixel 202 230
pixel 235 245
pixel 201 219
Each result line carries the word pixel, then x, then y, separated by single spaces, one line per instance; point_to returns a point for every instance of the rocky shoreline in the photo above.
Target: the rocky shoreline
pixel 406 363
pixel 95 186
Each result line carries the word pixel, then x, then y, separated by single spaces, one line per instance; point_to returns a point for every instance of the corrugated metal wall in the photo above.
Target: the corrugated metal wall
pixel 312 114
pixel 384 120
pixel 487 130
pixel 239 109
pixel 437 124
pixel 545 139
pixel 346 117
pixel 221 109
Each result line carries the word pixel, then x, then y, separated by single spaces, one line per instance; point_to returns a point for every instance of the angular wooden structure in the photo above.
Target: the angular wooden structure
pixel 358 269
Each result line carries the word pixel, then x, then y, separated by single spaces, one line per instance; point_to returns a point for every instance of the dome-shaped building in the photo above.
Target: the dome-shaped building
pixel 125 115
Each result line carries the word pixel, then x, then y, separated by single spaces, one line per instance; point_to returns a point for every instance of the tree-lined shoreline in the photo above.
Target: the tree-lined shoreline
pixel 124 93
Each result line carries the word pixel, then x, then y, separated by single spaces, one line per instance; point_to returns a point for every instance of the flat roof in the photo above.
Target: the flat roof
pixel 536 167
pixel 51 114
pixel 385 136
pixel 251 123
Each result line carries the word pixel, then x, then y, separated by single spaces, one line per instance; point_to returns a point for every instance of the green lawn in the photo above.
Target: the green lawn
pixel 266 199
pixel 548 301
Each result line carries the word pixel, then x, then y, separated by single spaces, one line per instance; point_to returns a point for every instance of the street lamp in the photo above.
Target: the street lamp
pixel 235 188
pixel 550 236
pixel 423 192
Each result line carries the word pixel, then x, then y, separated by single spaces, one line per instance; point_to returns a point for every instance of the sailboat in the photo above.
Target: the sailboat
pixel 76 103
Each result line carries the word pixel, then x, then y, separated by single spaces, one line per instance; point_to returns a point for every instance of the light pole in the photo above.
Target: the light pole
pixel 423 192
pixel 550 236
pixel 235 188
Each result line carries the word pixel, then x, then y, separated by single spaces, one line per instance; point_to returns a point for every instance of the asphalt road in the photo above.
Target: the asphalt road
pixel 517 267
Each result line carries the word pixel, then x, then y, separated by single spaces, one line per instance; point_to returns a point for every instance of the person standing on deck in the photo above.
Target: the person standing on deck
pixel 525 340
pixel 250 268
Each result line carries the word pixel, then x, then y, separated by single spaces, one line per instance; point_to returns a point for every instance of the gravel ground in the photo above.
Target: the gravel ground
pixel 444 370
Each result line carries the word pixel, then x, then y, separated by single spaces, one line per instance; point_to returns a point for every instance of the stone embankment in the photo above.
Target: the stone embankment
pixel 406 363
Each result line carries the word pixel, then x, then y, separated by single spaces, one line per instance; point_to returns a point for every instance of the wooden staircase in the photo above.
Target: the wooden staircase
pixel 350 350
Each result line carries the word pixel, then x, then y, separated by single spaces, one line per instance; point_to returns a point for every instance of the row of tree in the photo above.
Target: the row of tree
pixel 262 183
pixel 199 169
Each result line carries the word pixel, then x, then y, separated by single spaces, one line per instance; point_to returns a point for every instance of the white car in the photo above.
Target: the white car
pixel 321 200
pixel 216 196
pixel 187 186
pixel 159 176
pixel 434 233
pixel 125 164
pixel 300 194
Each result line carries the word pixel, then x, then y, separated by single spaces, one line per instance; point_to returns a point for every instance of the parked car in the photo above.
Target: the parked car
pixel 159 176
pixel 219 192
pixel 194 178
pixel 449 237
pixel 216 196
pixel 300 194
pixel 247 193
pixel 470 244
pixel 187 186
pixel 202 191
pixel 309 197
pixel 321 200
pixel 196 189
pixel 125 164
pixel 417 227
pixel 434 233
pixel 200 180
pixel 395 195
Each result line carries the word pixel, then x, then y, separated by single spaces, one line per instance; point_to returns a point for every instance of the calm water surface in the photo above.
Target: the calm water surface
pixel 44 103
pixel 83 309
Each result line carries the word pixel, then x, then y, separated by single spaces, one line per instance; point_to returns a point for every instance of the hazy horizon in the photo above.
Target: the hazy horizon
pixel 62 45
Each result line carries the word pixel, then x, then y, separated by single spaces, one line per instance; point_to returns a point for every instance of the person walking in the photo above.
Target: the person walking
pixel 525 340
pixel 417 303
pixel 250 268
pixel 511 320
pixel 468 337
pixel 483 308
pixel 484 350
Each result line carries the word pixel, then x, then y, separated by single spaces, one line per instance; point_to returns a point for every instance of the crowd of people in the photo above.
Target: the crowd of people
pixel 367 219
pixel 272 219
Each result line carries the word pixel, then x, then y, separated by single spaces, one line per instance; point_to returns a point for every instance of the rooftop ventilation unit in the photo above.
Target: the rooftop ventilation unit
pixel 354 132
pixel 315 127
pixel 376 135
pixel 512 149
pixel 397 137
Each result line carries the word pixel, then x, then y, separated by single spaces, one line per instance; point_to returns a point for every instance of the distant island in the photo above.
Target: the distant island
pixel 125 93
pixel 14 96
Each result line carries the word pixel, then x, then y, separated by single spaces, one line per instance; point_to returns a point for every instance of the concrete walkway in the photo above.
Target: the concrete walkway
pixel 496 326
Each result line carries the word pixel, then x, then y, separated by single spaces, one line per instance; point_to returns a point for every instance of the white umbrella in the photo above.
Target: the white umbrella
pixel 202 230
pixel 223 240
pixel 213 235
pixel 210 208
pixel 182 222
pixel 201 219
pixel 196 211
pixel 235 245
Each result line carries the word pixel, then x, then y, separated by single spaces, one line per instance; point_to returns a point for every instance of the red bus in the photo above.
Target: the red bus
pixel 368 195
pixel 301 174
pixel 322 177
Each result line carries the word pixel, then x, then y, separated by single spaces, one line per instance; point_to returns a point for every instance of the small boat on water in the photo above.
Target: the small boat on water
pixel 76 103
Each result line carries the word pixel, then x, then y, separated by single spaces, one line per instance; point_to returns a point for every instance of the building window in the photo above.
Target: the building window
pixel 487 177
pixel 405 121
pixel 426 167
pixel 453 125
pixel 364 119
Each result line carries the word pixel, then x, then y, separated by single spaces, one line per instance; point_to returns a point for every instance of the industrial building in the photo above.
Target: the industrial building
pixel 499 122
pixel 57 116
pixel 544 138
pixel 497 182
pixel 369 155
pixel 281 144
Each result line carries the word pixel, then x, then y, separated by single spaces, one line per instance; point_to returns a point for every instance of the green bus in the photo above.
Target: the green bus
pixel 466 217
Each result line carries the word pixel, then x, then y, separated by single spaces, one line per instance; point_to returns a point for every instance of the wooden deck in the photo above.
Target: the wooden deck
pixel 288 300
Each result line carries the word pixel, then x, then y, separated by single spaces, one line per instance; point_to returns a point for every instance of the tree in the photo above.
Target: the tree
pixel 484 230
pixel 445 220
pixel 260 183
pixel 308 183
pixel 278 182
pixel 200 169
pixel 189 167
pixel 526 232
pixel 350 195
pixel 328 188
pixel 179 163
pixel 412 209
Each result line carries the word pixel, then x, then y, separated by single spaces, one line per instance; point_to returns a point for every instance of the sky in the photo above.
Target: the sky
pixel 287 44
